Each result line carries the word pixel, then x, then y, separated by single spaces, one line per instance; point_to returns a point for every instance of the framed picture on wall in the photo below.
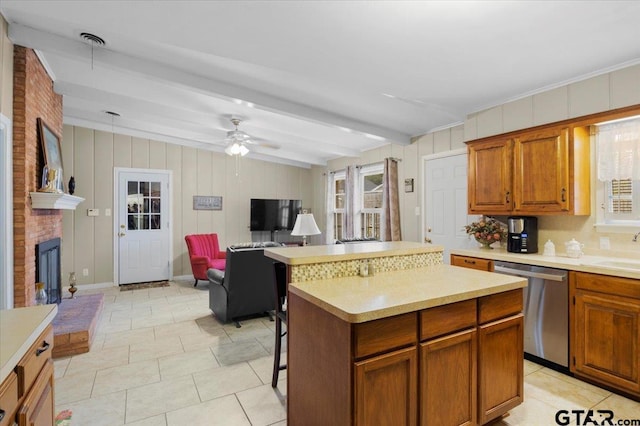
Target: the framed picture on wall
pixel 50 143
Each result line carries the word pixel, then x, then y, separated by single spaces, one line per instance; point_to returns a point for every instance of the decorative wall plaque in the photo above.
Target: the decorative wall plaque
pixel 207 202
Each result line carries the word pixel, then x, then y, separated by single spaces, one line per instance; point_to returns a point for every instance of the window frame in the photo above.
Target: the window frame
pixel 370 170
pixel 335 211
pixel 609 221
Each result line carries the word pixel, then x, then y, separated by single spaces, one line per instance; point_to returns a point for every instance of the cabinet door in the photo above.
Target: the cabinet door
pixel 489 181
pixel 500 367
pixel 448 380
pixel 607 336
pixel 386 389
pixel 37 408
pixel 472 262
pixel 541 172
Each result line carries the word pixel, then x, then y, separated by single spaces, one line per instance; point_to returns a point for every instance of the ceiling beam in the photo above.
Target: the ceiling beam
pixel 76 49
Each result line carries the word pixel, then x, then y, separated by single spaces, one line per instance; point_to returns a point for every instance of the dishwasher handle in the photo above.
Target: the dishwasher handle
pixel 518 272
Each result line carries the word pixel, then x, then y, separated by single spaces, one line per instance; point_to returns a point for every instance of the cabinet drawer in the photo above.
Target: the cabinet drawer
pixel 608 284
pixel 446 319
pixel 8 399
pixel 472 262
pixel 385 334
pixel 499 305
pixel 32 362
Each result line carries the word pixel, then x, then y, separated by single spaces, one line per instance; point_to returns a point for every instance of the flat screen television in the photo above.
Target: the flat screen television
pixel 274 215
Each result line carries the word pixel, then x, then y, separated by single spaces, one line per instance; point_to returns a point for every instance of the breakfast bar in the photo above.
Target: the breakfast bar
pixel 426 343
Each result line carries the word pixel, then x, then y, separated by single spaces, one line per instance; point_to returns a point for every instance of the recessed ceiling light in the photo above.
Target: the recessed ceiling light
pixel 113 114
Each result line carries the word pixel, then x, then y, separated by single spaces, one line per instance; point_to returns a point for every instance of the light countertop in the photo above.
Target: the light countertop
pixel 338 252
pixel 360 299
pixel 585 263
pixel 19 329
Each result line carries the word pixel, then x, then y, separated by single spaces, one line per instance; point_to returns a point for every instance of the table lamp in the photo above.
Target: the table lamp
pixel 305 225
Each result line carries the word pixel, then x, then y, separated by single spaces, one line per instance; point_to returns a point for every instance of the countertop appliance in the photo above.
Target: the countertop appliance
pixel 546 313
pixel 522 236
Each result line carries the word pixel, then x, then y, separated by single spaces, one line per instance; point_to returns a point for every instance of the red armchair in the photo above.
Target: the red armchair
pixel 204 253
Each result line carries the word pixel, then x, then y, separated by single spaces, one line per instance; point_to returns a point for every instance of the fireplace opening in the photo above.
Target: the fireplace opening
pixel 48 264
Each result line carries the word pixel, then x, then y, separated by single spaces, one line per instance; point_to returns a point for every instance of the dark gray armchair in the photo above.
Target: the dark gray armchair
pixel 245 287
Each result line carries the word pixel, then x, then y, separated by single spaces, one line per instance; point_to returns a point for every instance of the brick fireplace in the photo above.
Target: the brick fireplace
pixel 33 97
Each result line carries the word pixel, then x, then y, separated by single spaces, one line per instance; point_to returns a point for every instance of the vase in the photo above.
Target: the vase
pixel 485 245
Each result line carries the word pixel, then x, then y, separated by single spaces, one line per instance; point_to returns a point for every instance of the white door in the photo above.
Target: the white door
pixel 445 201
pixel 143 226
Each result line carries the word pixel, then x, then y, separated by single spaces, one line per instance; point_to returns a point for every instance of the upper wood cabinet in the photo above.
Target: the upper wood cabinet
pixel 539 172
pixel 489 176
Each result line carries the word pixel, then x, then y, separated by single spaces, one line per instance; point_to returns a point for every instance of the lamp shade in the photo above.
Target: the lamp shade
pixel 305 225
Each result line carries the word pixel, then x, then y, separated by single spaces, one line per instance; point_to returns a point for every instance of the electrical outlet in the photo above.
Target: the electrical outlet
pixel 605 244
pixel 85 272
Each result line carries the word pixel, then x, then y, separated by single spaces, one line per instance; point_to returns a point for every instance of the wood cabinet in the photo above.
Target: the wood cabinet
pixel 606 331
pixel 500 356
pixel 448 364
pixel 454 364
pixel 472 371
pixel 544 171
pixel 386 389
pixel 26 396
pixel 490 182
pixel 472 262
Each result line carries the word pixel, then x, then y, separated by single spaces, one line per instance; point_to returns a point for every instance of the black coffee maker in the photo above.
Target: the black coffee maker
pixel 523 234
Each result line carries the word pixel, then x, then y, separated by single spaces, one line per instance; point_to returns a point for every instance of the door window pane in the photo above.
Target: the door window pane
pixel 143 205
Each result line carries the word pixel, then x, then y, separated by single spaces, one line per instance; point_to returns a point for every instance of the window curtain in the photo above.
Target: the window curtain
pixel 330 238
pixel 390 202
pixel 351 184
pixel 619 151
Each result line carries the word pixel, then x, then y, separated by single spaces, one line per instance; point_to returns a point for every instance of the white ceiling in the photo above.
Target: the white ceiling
pixel 319 79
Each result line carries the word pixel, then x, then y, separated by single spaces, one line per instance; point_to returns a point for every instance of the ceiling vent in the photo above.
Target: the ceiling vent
pixel 92 38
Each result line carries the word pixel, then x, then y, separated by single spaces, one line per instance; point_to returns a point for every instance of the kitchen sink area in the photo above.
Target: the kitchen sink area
pixel 616 264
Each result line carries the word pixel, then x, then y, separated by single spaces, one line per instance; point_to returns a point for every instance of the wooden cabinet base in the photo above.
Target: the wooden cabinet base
pixel 607 332
pixel 37 408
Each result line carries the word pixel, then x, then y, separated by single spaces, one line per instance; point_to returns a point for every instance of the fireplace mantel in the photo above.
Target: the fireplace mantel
pixel 52 200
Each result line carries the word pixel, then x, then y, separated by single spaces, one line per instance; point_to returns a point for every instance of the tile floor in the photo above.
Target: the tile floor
pixel 160 358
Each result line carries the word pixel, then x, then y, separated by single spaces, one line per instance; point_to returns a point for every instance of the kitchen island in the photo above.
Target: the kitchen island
pixel 431 344
pixel 26 369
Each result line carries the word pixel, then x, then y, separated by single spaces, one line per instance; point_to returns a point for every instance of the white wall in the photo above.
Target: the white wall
pixel 90 156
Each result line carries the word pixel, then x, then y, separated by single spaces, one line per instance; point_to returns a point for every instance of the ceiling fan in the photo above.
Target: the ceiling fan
pixel 237 140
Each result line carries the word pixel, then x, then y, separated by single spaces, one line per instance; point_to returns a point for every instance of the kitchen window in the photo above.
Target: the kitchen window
pixel 362 196
pixel 618 170
pixel 339 200
pixel 371 200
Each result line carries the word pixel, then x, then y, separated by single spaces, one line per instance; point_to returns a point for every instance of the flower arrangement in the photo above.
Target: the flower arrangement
pixel 486 231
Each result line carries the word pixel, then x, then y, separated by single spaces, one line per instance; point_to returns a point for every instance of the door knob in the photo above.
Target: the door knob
pixel 427 240
pixel 122 234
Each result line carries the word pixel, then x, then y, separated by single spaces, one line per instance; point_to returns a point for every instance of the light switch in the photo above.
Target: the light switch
pixel 93 212
pixel 107 212
pixel 605 244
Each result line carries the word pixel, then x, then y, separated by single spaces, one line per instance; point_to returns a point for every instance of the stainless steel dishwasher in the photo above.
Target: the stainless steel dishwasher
pixel 546 312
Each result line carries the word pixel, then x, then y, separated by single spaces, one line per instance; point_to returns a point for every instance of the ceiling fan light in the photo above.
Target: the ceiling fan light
pixel 243 150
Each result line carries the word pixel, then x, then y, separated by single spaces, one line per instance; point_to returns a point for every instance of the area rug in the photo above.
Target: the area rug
pixel 138 286
pixel 63 418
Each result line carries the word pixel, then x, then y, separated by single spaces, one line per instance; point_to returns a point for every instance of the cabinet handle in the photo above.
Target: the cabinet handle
pixel 564 195
pixel 42 349
pixel 2 413
pixel 507 197
pixel 470 262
